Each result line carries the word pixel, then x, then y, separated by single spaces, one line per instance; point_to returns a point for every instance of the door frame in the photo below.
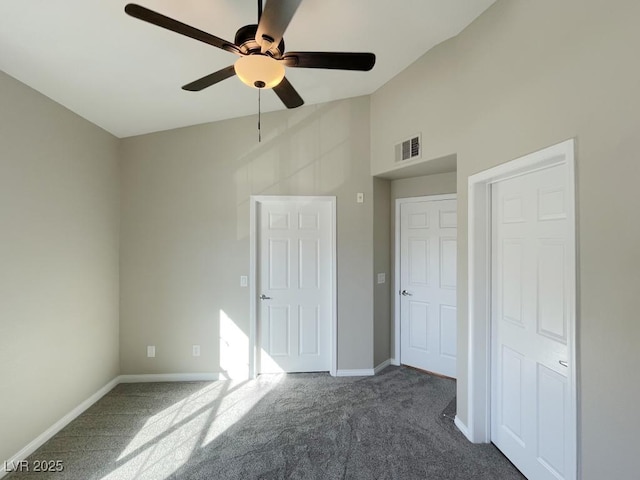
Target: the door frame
pixel 478 427
pixel 254 201
pixel 396 360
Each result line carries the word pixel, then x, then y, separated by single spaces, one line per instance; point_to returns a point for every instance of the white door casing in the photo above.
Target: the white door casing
pixel 426 283
pixel 478 427
pixel 530 398
pixel 293 295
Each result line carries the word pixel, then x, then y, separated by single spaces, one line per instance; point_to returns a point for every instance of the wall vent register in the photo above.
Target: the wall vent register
pixel 408 149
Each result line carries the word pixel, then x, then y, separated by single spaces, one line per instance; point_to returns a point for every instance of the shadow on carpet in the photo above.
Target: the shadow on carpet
pixel 395 425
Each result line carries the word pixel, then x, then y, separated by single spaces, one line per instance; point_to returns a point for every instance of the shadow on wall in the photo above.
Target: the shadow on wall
pixel 186 226
pixel 304 152
pixel 308 154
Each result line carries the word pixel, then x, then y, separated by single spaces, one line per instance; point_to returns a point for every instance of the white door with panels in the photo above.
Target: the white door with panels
pixel 532 411
pixel 427 293
pixel 294 285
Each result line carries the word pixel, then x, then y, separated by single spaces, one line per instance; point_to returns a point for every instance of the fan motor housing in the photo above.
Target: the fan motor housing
pixel 246 41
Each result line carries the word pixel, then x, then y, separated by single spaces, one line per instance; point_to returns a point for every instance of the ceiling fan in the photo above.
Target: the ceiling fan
pixel 261 50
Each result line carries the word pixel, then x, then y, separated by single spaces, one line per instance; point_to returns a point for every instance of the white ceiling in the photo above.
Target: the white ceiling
pixel 125 75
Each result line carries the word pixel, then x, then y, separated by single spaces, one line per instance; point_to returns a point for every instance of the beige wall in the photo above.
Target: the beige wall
pixel 185 231
pixel 59 258
pixel 381 264
pixel 424 185
pixel 523 76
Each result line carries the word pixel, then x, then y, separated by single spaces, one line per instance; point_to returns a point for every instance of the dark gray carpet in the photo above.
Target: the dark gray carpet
pixel 396 425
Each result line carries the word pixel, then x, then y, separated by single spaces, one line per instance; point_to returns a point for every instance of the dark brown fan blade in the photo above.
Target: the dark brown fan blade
pixel 211 79
pixel 331 60
pixel 155 18
pixel 288 94
pixel 274 21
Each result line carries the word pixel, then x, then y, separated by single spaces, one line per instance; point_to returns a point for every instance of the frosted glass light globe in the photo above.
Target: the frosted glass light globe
pixel 259 71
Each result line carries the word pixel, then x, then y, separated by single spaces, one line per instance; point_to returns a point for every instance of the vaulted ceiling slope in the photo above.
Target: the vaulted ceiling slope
pixel 125 75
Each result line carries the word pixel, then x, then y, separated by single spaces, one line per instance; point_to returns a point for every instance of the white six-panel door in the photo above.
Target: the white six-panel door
pixel 294 285
pixel 531 408
pixel 427 296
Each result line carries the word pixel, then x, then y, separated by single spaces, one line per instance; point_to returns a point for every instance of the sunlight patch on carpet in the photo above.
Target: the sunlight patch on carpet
pixel 168 439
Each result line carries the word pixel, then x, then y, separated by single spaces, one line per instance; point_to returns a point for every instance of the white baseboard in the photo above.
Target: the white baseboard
pixel 382 366
pixel 364 372
pixel 169 377
pixel 59 425
pixel 395 361
pixel 463 428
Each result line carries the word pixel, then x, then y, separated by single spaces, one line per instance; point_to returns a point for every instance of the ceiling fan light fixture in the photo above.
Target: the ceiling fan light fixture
pixel 259 71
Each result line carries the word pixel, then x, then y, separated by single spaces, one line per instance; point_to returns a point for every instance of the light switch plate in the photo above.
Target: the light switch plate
pixel 244 280
pixel 196 350
pixel 151 351
pixel 360 197
pixel 382 277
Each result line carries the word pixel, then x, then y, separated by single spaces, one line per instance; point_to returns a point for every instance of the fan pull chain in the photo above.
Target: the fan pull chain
pixel 259 132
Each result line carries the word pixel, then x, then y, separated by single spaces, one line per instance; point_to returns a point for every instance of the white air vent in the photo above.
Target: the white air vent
pixel 409 149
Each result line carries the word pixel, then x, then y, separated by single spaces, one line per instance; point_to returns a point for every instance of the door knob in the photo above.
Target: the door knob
pixel 264 297
pixel 563 363
pixel 405 293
